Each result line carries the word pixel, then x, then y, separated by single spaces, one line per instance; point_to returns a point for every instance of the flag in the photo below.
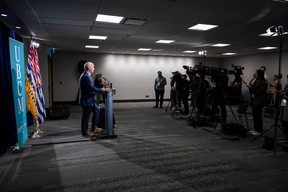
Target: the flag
pixel 34 87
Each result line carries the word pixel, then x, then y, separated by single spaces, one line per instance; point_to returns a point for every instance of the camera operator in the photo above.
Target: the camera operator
pixel 219 94
pixel 176 83
pixel 202 94
pixel 173 98
pixel 185 94
pixel 258 91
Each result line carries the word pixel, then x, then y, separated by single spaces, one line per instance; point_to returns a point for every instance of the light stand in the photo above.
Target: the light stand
pixel 276 31
pixel 280 32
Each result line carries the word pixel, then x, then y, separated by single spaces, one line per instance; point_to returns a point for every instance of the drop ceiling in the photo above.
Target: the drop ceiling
pixel 67 24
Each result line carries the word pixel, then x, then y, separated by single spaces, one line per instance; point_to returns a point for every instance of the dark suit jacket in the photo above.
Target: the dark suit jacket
pixel 87 90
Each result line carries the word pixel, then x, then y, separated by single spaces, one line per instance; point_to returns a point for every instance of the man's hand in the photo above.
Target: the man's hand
pixel 106 89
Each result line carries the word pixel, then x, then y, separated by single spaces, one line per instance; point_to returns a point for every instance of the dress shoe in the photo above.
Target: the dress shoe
pixel 98 130
pixel 255 133
pixel 87 135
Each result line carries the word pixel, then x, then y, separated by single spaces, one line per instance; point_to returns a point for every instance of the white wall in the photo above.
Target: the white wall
pixel 132 75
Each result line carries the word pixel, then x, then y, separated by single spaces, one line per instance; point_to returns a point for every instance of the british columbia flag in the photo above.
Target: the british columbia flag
pixel 35 80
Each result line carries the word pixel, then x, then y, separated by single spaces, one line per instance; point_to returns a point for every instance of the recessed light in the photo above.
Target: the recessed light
pixel 165 41
pixel 4 15
pixel 97 37
pixel 220 45
pixel 92 46
pixel 109 18
pixel 229 54
pixel 202 27
pixel 189 51
pixel 144 49
pixel 267 48
pixel 17 27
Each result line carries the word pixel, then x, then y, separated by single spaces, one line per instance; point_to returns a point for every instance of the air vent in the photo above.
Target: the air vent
pixel 133 21
pixel 281 1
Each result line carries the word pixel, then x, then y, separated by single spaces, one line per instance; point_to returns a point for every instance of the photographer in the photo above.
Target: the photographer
pixel 202 94
pixel 176 83
pixel 258 91
pixel 185 94
pixel 173 98
pixel 219 94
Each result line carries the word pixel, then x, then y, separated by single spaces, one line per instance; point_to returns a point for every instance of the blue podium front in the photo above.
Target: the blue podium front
pixel 109 117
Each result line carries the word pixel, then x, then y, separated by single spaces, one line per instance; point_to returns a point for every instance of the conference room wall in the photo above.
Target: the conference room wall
pixel 131 75
pixel 253 62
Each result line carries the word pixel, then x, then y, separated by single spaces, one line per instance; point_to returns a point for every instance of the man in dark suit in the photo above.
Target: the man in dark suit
pixel 86 99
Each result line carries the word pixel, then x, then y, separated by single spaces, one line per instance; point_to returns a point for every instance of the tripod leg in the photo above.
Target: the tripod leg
pixel 167 106
pixel 247 122
pixel 262 133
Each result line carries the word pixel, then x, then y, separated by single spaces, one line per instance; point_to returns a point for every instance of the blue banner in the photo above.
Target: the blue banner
pixel 18 85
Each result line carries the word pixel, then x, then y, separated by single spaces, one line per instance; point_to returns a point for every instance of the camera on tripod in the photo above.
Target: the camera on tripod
pixel 237 72
pixel 197 69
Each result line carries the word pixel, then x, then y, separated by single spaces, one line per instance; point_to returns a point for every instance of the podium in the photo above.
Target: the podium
pixel 109 120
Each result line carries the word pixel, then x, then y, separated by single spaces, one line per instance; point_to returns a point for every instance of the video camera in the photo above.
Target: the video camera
pixel 204 70
pixel 197 69
pixel 237 72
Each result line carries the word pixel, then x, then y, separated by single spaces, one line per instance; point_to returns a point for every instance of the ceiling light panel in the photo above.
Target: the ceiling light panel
pixel 202 27
pixel 92 46
pixel 144 49
pixel 97 37
pixel 267 48
pixel 165 41
pixel 189 51
pixel 229 54
pixel 220 45
pixel 109 18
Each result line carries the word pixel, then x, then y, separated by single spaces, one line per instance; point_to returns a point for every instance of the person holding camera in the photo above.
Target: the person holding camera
pixel 185 94
pixel 219 95
pixel 258 91
pixel 159 87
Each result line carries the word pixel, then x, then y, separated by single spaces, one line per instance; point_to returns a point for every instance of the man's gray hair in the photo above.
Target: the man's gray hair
pixel 86 65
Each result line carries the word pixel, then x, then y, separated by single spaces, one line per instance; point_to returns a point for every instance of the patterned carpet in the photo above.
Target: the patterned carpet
pixel 153 151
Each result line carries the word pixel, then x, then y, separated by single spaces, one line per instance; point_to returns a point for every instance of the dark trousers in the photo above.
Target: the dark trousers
pixel 86 112
pixel 159 94
pixel 257 118
pixel 173 98
pixel 185 103
pixel 285 127
pixel 221 102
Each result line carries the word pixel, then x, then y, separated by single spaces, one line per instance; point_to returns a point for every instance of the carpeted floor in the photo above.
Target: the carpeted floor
pixel 153 151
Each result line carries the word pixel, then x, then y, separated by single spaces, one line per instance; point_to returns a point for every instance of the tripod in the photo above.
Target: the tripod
pixel 202 106
pixel 279 31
